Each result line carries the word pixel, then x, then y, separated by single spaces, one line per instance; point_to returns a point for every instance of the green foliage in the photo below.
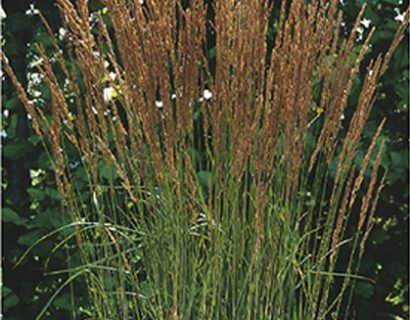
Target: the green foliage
pixel 387 250
pixel 26 287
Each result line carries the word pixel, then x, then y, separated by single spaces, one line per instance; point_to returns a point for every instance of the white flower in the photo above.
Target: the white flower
pixel 366 22
pixel 36 62
pixel 62 33
pixel 207 94
pixel 159 104
pixel 36 94
pixel 107 94
pixel 3 134
pixel 173 96
pixel 400 16
pixel 36 77
pixel 360 31
pixel 112 75
pixel 32 10
pixel 3 14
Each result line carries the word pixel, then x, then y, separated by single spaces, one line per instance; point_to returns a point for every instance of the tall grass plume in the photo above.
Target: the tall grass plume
pixel 218 186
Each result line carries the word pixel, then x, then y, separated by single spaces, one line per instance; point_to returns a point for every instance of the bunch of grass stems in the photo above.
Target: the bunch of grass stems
pixel 220 202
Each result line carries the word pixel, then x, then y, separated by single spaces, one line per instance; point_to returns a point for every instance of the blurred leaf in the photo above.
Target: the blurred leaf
pixel 44 39
pixel 20 22
pixel 52 194
pixel 203 178
pixel 63 301
pixel 5 291
pixel 34 140
pixel 29 238
pixel 379 236
pixel 398 270
pixel 364 289
pixel 402 90
pixel 9 215
pixel 108 171
pixel 43 161
pixel 15 150
pixel 11 301
pixel 212 53
pixel 367 264
pixel 372 15
pixel 37 193
pixel 399 159
pixel 45 92
pixel 383 35
pixel 49 219
pixel 12 103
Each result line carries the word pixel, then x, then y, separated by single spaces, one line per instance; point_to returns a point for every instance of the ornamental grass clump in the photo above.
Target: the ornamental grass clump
pixel 218 186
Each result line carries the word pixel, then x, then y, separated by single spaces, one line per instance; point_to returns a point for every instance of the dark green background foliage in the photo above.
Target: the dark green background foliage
pixel 31 205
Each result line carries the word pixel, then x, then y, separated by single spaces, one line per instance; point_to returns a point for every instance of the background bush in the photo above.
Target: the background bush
pixel 31 205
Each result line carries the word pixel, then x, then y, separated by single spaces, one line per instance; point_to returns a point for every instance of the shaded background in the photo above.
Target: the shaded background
pixel 31 205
